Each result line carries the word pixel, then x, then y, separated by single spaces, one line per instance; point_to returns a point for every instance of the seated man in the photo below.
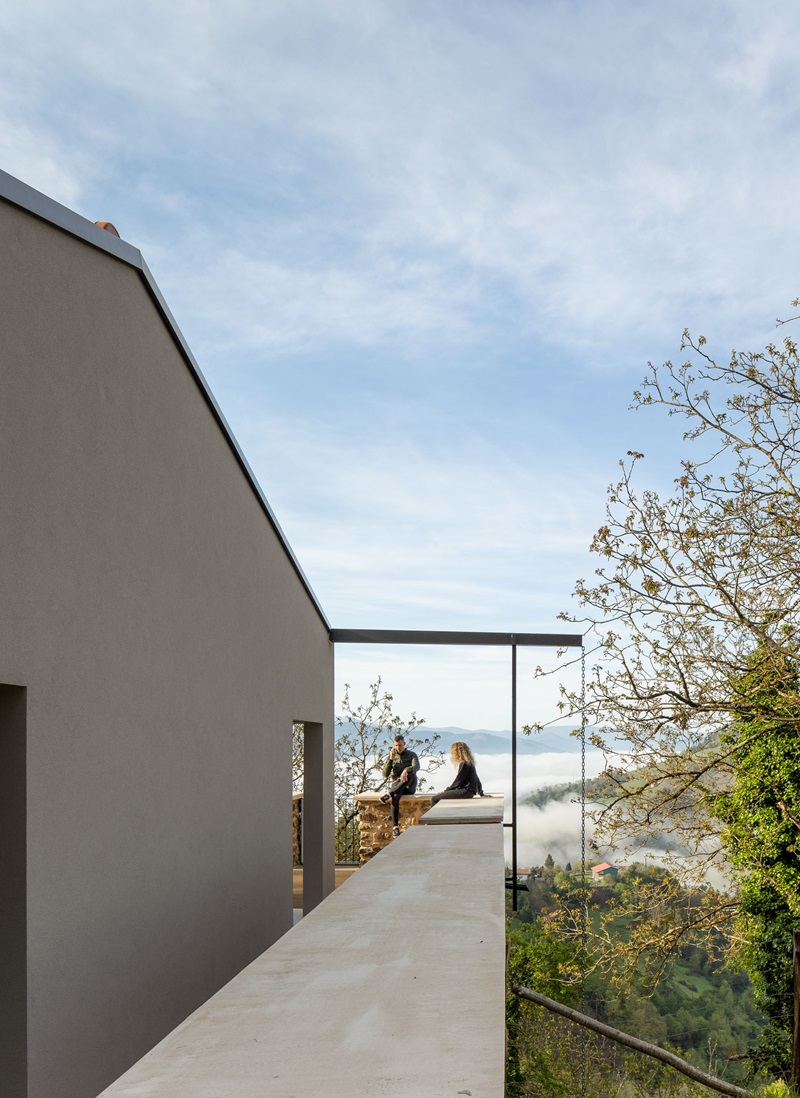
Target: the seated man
pixel 401 766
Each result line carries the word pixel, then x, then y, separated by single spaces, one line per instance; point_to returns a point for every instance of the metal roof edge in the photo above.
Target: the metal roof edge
pixel 47 209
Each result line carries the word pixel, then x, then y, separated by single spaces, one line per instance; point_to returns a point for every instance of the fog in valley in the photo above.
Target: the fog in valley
pixel 554 829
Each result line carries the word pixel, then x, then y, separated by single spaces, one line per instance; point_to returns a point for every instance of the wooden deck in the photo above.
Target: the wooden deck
pixel 342 873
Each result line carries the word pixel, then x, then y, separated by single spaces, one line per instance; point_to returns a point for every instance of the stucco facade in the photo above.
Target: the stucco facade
pixel 158 639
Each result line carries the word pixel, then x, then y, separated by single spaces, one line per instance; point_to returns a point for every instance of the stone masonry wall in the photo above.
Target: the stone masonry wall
pixel 375 820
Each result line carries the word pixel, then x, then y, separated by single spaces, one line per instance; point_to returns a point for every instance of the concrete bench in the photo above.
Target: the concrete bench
pixel 480 810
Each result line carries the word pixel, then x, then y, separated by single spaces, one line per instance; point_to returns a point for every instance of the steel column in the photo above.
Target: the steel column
pixel 513 775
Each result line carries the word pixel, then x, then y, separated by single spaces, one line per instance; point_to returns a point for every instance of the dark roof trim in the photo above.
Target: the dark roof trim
pixel 38 204
pixel 433 636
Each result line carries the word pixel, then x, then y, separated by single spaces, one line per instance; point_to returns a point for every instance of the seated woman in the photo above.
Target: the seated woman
pixel 467 783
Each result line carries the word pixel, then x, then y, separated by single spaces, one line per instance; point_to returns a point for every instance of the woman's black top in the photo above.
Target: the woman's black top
pixel 467 778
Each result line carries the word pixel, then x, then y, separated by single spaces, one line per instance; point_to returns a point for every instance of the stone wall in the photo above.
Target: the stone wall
pixel 375 820
pixel 297 829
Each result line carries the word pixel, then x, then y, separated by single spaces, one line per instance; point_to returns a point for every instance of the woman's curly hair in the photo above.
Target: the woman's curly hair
pixel 460 753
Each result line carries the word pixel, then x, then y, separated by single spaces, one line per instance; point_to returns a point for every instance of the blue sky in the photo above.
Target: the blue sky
pixel 422 252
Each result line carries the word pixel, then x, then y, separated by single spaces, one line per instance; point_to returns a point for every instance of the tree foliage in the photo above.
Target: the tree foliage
pixel 701 1008
pixel 297 758
pixel 695 609
pixel 690 585
pixel 363 741
pixel 760 816
pixel 760 813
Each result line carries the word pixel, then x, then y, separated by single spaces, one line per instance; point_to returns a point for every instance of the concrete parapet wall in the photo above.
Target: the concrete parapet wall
pixel 393 986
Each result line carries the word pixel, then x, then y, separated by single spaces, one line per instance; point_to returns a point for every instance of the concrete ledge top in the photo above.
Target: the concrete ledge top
pixel 471 810
pixel 393 987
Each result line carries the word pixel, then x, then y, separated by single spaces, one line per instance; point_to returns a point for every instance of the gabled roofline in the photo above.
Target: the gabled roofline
pixel 47 209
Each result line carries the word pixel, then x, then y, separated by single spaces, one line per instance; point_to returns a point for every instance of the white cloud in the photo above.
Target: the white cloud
pixel 377 172
pixel 395 528
pixel 554 829
pixel 263 304
pixel 464 687
pixel 448 188
pixel 536 771
pixel 47 166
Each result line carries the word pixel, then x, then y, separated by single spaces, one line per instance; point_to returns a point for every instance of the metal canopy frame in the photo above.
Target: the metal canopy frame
pixel 445 636
pixel 460 637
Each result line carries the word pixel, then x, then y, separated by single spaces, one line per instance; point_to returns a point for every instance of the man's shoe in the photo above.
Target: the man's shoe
pixel 395 832
pixel 386 797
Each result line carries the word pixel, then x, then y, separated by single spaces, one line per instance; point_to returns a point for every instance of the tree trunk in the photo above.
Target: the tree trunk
pixel 617 1035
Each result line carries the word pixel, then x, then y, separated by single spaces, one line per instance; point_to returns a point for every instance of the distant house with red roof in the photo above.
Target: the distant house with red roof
pixel 604 871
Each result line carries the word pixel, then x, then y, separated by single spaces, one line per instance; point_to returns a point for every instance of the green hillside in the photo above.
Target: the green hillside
pixel 699 1005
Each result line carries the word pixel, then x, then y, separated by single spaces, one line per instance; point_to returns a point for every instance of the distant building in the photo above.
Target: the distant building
pixel 605 871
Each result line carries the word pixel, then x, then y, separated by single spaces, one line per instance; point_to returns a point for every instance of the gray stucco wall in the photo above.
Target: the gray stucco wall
pixel 165 644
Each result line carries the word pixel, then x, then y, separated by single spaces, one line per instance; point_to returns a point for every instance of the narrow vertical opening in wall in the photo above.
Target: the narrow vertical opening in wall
pixel 13 892
pixel 318 847
pixel 298 748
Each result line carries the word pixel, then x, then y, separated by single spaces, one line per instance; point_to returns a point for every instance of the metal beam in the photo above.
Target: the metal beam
pixel 455 637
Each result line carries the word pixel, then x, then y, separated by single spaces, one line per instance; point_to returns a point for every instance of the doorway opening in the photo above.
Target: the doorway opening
pixel 312 779
pixel 13 894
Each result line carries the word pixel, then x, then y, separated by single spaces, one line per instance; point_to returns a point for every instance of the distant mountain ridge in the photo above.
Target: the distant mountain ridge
pixel 484 741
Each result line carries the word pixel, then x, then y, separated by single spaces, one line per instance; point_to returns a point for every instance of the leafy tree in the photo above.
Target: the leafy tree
pixel 695 607
pixel 689 586
pixel 549 868
pixel 700 1009
pixel 540 1050
pixel 761 812
pixel 760 834
pixel 548 1056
